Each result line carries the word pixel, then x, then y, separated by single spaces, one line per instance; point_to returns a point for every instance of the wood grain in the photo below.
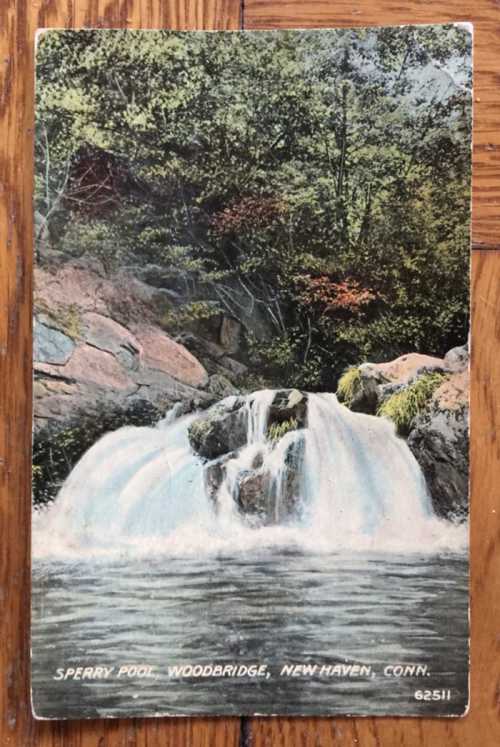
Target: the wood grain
pixel 18 21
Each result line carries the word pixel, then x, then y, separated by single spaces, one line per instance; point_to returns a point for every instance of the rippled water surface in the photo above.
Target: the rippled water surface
pixel 270 608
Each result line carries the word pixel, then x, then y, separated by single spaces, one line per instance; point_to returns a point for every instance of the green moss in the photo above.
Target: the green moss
pixel 278 430
pixel 66 319
pixel 349 385
pixel 402 407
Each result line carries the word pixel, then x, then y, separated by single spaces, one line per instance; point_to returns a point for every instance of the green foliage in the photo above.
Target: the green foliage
pixel 180 318
pixel 278 430
pixel 307 184
pixel 402 407
pixel 348 385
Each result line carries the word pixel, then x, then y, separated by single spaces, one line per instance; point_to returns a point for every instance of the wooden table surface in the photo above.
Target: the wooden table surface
pixel 18 21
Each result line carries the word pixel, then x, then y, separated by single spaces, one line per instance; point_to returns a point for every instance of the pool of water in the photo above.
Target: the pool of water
pixel 269 608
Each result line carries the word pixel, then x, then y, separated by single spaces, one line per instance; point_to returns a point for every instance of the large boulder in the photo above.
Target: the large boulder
pixel 220 430
pixel 164 354
pixel 407 367
pixel 373 383
pixel 439 441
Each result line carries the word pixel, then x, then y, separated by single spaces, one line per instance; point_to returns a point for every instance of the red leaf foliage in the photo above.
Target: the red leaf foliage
pixel 249 212
pixel 331 296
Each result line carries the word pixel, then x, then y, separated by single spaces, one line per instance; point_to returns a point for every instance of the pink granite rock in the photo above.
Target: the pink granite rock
pixel 405 367
pixel 91 366
pixel 162 353
pixel 106 334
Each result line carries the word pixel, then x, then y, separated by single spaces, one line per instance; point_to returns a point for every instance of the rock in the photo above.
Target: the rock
pixel 92 366
pixel 294 460
pixel 221 430
pixel 105 334
pixel 235 367
pixel 453 394
pixel 288 404
pixel 161 352
pixel 214 474
pixel 263 499
pixel 200 347
pixel 50 345
pixel 439 440
pixel 254 496
pixel 404 368
pixel 221 387
pixel 457 359
pixel 367 396
pixel 230 334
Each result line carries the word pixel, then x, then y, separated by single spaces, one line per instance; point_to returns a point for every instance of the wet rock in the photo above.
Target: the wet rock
pixel 265 500
pixel 221 430
pixel 214 475
pixel 255 496
pixel 439 440
pixel 294 463
pixel 289 404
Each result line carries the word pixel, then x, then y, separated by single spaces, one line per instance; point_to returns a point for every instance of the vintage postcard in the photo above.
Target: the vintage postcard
pixel 251 372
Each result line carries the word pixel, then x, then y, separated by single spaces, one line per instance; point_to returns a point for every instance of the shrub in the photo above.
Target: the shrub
pixel 349 385
pixel 402 407
pixel 278 430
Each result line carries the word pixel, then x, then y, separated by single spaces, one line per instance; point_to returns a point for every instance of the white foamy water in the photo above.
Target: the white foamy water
pixel 141 491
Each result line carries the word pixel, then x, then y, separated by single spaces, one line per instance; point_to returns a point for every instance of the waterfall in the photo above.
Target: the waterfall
pixel 142 490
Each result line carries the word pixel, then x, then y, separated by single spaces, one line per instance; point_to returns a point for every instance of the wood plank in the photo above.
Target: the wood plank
pixel 18 21
pixel 485 14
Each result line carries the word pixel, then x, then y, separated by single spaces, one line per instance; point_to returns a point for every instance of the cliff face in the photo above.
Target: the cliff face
pixel 91 352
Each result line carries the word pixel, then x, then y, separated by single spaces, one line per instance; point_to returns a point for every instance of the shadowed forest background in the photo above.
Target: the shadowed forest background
pixel 312 186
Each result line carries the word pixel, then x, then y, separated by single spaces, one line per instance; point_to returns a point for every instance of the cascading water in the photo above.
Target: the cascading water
pixel 142 490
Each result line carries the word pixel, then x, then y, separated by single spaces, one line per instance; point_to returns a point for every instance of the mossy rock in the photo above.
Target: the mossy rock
pixel 404 406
